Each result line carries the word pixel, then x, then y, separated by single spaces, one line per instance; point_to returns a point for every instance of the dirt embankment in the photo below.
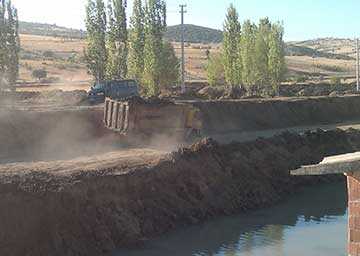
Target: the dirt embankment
pixel 31 134
pixel 253 115
pixel 65 208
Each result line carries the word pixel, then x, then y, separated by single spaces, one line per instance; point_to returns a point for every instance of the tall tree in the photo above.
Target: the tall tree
pixel 137 43
pixel 96 52
pixel 117 40
pixel 9 44
pixel 262 53
pixel 246 58
pixel 231 51
pixel 170 66
pixel 3 43
pixel 13 44
pixel 155 25
pixel 276 64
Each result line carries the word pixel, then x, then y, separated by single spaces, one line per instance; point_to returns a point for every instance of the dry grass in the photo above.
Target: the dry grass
pixel 195 54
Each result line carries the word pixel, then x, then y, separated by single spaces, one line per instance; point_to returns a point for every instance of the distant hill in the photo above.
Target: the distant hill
pixel 296 50
pixel 49 30
pixel 194 34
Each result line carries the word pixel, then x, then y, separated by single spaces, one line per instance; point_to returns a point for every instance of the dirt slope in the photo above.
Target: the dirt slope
pixel 65 208
pixel 253 115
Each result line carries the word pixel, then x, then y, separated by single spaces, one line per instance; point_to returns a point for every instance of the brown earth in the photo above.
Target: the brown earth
pixel 91 206
pixel 264 114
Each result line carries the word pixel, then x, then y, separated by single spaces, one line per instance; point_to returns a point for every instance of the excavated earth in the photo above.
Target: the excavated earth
pixel 89 194
pixel 90 206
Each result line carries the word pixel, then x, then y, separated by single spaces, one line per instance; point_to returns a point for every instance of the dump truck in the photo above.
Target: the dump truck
pixel 136 117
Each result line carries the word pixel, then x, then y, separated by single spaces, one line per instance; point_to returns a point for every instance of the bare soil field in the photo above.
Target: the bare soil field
pixel 66 70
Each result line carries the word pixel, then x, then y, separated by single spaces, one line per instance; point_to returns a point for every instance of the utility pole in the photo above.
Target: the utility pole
pixel 357 65
pixel 182 11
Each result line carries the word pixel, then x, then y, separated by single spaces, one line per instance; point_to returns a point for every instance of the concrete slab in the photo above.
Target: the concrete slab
pixel 346 163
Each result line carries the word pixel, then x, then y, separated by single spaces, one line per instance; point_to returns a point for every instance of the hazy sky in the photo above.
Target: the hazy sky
pixel 303 19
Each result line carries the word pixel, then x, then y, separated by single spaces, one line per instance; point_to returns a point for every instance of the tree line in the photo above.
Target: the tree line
pixel 9 44
pixel 252 57
pixel 140 53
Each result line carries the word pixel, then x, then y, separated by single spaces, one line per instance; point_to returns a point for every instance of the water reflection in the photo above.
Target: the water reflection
pixel 310 223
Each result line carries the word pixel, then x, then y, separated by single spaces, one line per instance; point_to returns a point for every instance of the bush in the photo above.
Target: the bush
pixel 301 79
pixel 335 80
pixel 39 74
pixel 48 54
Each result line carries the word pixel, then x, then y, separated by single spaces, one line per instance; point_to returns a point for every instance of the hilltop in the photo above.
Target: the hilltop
pixel 42 29
pixel 194 34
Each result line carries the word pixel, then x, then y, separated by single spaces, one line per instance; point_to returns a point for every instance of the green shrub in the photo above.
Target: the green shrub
pixel 335 80
pixel 39 74
pixel 301 79
pixel 48 54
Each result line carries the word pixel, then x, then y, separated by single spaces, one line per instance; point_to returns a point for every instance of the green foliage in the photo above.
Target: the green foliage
pixel 276 58
pixel 155 24
pixel 231 47
pixel 96 52
pixel 335 80
pixel 170 66
pixel 137 43
pixel 117 40
pixel 39 73
pixel 41 29
pixel 246 58
pixel 301 79
pixel 194 34
pixel 330 68
pixel 253 55
pixel 261 53
pixel 215 70
pixel 48 54
pixel 9 43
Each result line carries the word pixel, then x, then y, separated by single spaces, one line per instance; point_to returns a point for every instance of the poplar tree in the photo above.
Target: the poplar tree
pixel 262 53
pixel 246 58
pixel 170 66
pixel 9 44
pixel 137 42
pixel 3 48
pixel 96 52
pixel 155 25
pixel 13 44
pixel 276 64
pixel 117 40
pixel 231 49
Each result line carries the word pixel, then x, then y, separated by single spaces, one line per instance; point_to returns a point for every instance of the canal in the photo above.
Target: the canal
pixel 312 222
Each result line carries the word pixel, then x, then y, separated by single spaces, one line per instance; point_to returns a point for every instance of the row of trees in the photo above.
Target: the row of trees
pixel 9 44
pixel 253 55
pixel 143 55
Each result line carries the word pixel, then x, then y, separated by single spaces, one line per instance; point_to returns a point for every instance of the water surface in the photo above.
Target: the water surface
pixel 313 222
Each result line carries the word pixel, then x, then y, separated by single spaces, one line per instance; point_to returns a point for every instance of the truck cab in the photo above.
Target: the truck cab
pixel 115 89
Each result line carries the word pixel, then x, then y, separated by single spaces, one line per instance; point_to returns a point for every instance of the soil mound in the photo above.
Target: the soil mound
pixel 96 208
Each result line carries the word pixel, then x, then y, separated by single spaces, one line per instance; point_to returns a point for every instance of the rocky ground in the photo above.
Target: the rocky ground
pixel 91 206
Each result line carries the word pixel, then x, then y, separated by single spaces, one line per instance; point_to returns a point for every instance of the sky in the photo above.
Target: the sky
pixel 304 19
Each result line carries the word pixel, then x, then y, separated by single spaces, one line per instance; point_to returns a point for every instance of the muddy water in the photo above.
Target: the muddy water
pixel 313 222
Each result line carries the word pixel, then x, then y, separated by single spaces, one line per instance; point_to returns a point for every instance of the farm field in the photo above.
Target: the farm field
pixel 62 58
